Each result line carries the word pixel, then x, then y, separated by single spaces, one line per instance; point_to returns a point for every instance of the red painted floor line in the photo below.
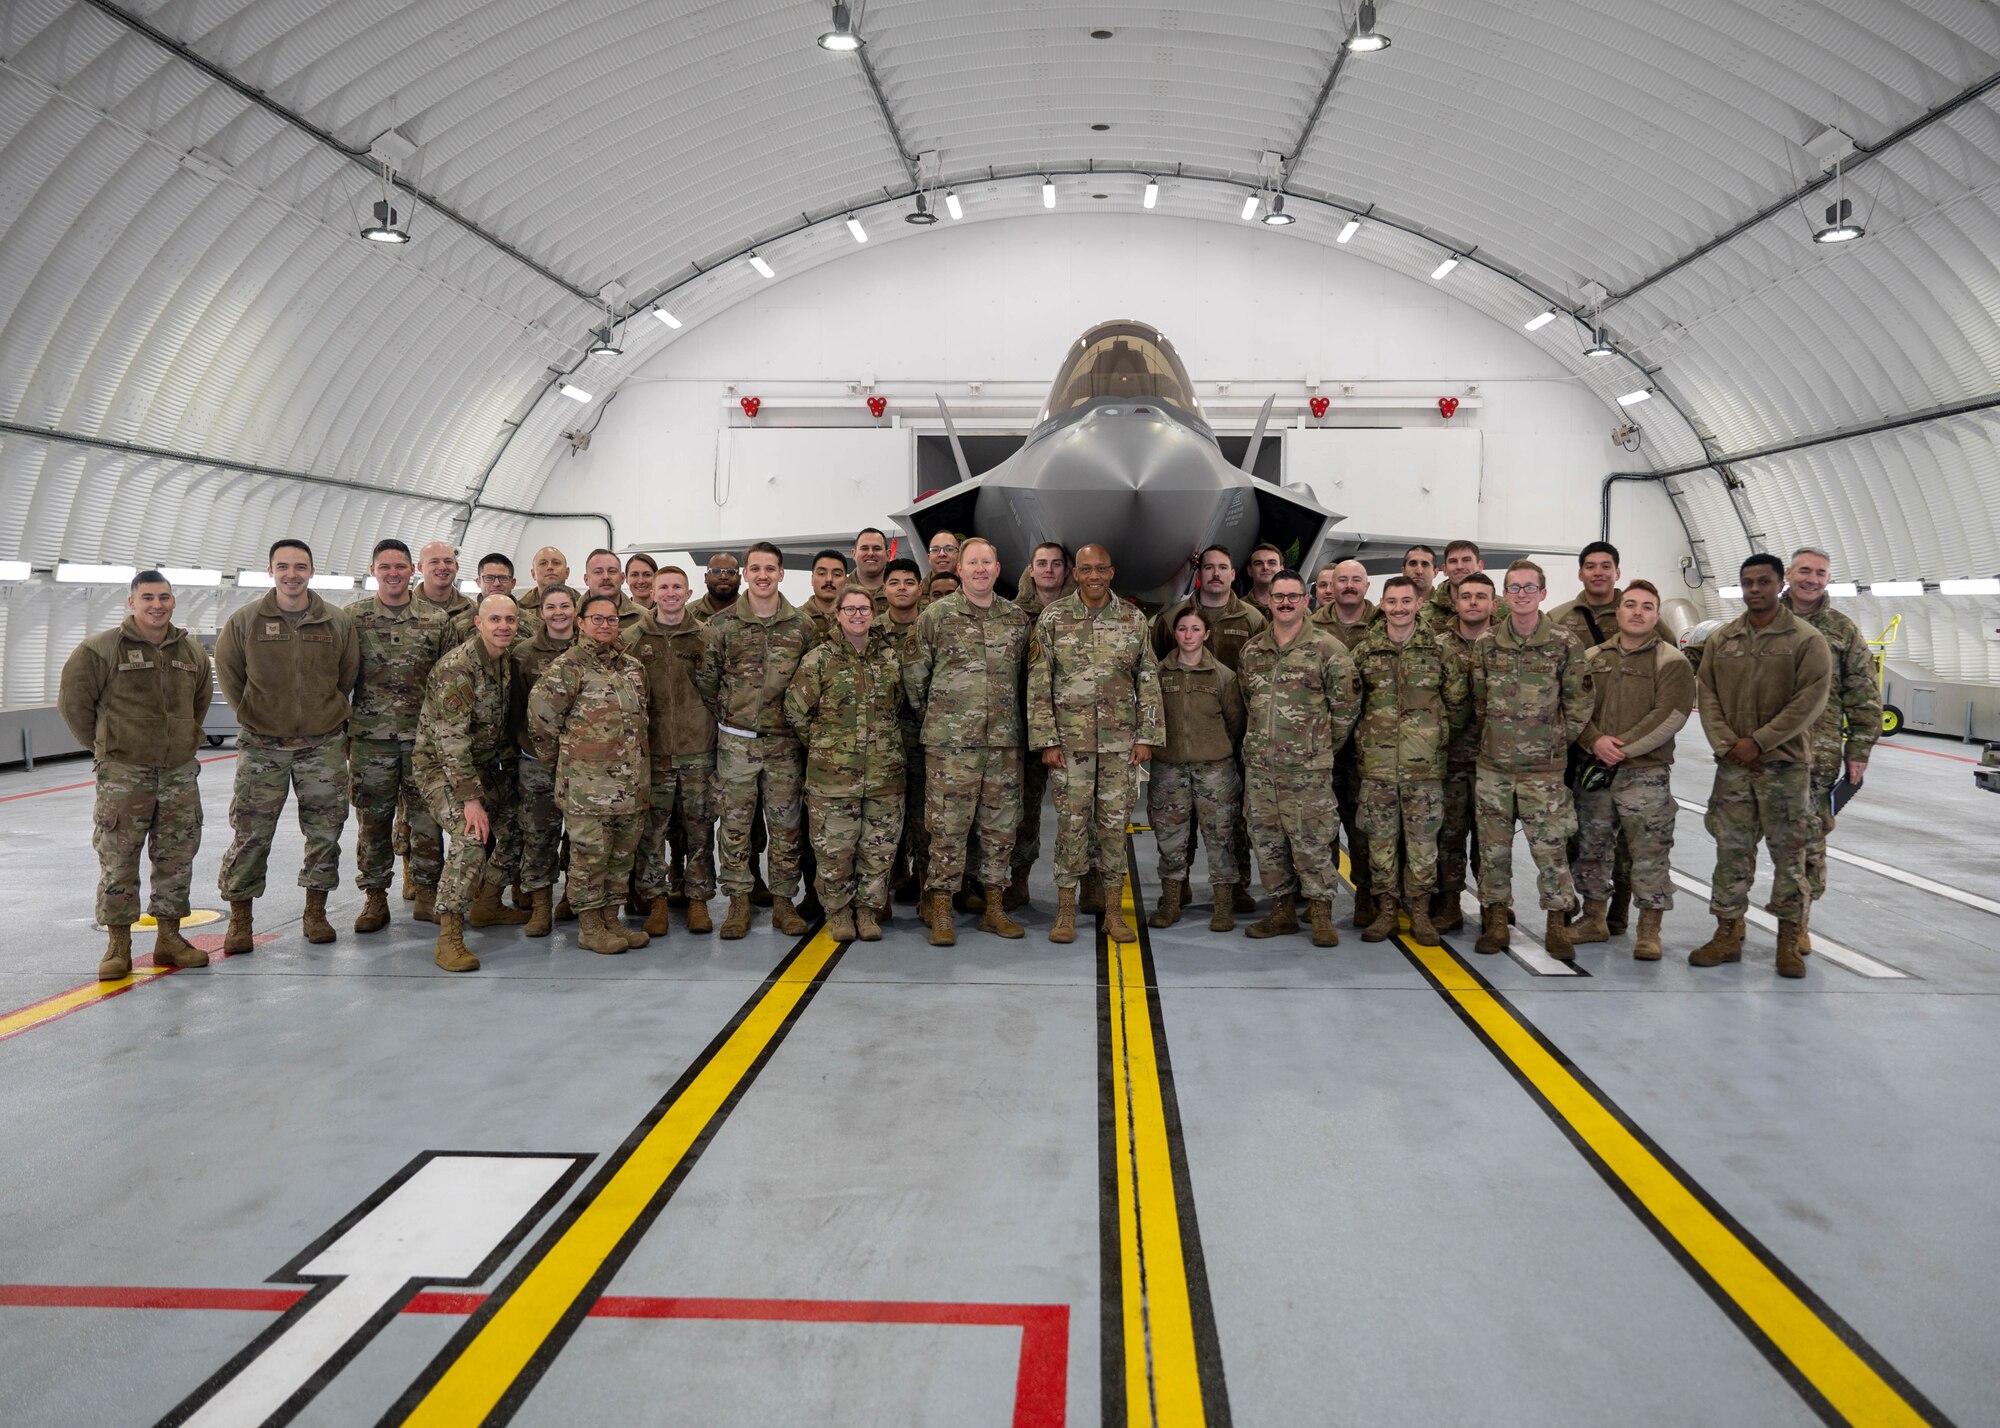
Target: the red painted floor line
pixel 1041 1384
pixel 92 783
pixel 209 942
pixel 1927 753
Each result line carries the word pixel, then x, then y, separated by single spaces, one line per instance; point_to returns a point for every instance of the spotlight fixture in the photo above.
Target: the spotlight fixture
pixel 952 205
pixel 1540 320
pixel 1277 217
pixel 764 269
pixel 1366 40
pixel 841 39
pixel 854 227
pixel 573 392
pixel 1445 267
pixel 1840 225
pixel 601 344
pixel 1348 230
pixel 668 318
pixel 1599 347
pixel 1250 206
pixel 923 217
pixel 1048 192
pixel 386 227
pixel 1632 399
pixel 1152 193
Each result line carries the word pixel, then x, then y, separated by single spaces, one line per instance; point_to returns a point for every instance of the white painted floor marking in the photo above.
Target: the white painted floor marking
pixel 440 1225
pixel 1526 950
pixel 1859 963
pixel 1960 895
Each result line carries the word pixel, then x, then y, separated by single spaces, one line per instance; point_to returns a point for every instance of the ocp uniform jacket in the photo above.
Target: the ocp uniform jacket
pixel 288 681
pixel 130 701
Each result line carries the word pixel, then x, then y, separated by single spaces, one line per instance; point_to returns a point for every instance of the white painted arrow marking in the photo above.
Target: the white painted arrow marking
pixel 441 1225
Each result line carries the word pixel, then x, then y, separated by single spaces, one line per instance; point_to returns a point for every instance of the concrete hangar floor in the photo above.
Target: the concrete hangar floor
pixel 1198 1179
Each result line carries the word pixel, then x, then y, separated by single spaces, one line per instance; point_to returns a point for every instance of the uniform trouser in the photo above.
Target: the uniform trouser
pixel 467 861
pixel 1291 813
pixel 601 850
pixel 916 842
pixel 1542 803
pixel 1640 805
pixel 964 789
pixel 142 809
pixel 770 766
pixel 1822 824
pixel 1347 795
pixel 266 769
pixel 1210 793
pixel 381 774
pixel 1773 803
pixel 856 836
pixel 682 788
pixel 1095 793
pixel 1456 845
pixel 1409 813
pixel 541 822
pixel 1034 794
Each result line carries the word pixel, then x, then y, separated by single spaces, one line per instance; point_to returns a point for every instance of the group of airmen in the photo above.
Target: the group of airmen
pixel 896 736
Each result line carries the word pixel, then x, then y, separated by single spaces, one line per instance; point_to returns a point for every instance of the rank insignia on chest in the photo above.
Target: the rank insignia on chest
pixel 271 628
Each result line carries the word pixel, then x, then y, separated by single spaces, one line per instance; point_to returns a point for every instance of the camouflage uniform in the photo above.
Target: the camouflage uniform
pixel 1849 727
pixel 1347 763
pixel 138 708
pixel 1642 697
pixel 1532 697
pixel 399 644
pixel 914 848
pixel 1592 625
pixel 705 609
pixel 1461 769
pixel 747 665
pixel 456 613
pixel 1093 692
pixel 287 681
pixel 1034 773
pixel 1230 627
pixel 587 716
pixel 1300 703
pixel 465 752
pixel 962 672
pixel 537 813
pixel 1439 607
pixel 683 759
pixel 1195 773
pixel 1415 699
pixel 843 705
pixel 1769 685
pixel 823 623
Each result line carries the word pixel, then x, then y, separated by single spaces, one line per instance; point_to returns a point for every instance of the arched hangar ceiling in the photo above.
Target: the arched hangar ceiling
pixel 181 186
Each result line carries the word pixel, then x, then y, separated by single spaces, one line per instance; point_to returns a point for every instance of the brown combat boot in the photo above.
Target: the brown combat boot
pixel 635 937
pixel 596 932
pixel 698 920
pixel 489 911
pixel 1725 946
pixel 1492 929
pixel 1555 937
pixel 737 923
pixel 242 934
pixel 840 924
pixel 116 964
pixel 1619 916
pixel 1791 961
pixel 995 919
pixel 969 899
pixel 1364 908
pixel 760 892
pixel 315 925
pixel 1223 918
pixel 564 912
pixel 170 949
pixel 1423 931
pixel 1115 925
pixel 1090 894
pixel 1169 910
pixel 1016 895
pixel 1240 899
pixel 656 917
pixel 1319 913
pixel 409 880
pixel 867 923
pixel 1383 924
pixel 1281 919
pixel 1447 910
pixel 521 897
pixel 452 954
pixel 1063 929
pixel 541 913
pixel 936 909
pixel 426 908
pixel 1646 947
pixel 1805 932
pixel 374 912
pixel 785 917
pixel 1590 927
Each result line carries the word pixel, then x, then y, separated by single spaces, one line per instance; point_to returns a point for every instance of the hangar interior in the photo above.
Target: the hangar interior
pixel 1557 270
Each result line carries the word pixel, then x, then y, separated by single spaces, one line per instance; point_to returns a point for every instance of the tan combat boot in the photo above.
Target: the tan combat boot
pixel 656 917
pixel 564 912
pixel 1619 915
pixel 1383 924
pixel 698 920
pixel 1447 911
pixel 1805 932
pixel 1016 895
pixel 1555 937
pixel 1281 919
pixel 316 927
pixel 541 913
pixel 635 937
pixel 116 964
pixel 1423 931
pixel 452 954
pixel 969 899
pixel 595 932
pixel 737 923
pixel 760 891
pixel 409 880
pixel 170 949
pixel 426 908
pixel 374 912
pixel 1115 925
pixel 1492 929
pixel 1319 912
pixel 867 923
pixel 1590 927
pixel 1169 910
pixel 785 917
pixel 242 934
pixel 1223 918
pixel 1725 946
pixel 1240 899
pixel 489 911
pixel 995 919
pixel 1791 961
pixel 1646 946
pixel 1090 894
pixel 521 897
pixel 840 924
pixel 1364 908
pixel 1063 929
pixel 936 909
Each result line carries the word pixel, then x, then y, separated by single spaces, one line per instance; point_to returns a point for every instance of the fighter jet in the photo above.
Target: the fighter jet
pixel 1122 456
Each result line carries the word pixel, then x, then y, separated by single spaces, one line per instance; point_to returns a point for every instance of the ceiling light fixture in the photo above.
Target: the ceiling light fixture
pixel 191 575
pixel 922 217
pixel 573 392
pixel 330 582
pixel 1632 399
pixel 1152 193
pixel 854 227
pixel 1277 217
pixel 1843 589
pixel 15 570
pixel 262 580
pixel 1840 225
pixel 70 572
pixel 1730 592
pixel 1348 230
pixel 1048 192
pixel 1444 268
pixel 601 343
pixel 841 39
pixel 1366 40
pixel 952 205
pixel 764 269
pixel 1599 347
pixel 388 225
pixel 465 587
pixel 1896 589
pixel 1969 587
pixel 1250 206
pixel 668 318
pixel 1540 320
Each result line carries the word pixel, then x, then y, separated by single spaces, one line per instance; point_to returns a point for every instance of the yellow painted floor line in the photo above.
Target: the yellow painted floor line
pixel 499 1355
pixel 35 1014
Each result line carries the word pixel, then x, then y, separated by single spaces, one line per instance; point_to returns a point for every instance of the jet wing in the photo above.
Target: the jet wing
pixel 1295 523
pixel 953 509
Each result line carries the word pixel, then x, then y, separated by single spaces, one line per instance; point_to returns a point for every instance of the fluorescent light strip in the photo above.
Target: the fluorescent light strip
pixel 1348 230
pixel 1250 207
pixel 190 575
pixel 1730 592
pixel 1445 267
pixel 1540 320
pixel 1969 587
pixel 15 570
pixel 1843 589
pixel 952 205
pixel 854 227
pixel 70 572
pixel 331 582
pixel 1632 399
pixel 1048 193
pixel 764 269
pixel 1152 192
pixel 573 392
pixel 668 318
pixel 468 587
pixel 255 580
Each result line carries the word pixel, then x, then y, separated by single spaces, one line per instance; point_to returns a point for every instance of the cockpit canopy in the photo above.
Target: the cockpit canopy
pixel 1121 359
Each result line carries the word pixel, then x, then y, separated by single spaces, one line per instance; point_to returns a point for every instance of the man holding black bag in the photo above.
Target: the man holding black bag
pixel 1593 618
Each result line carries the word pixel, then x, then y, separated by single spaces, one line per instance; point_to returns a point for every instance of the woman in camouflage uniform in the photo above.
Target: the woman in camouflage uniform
pixel 1195 771
pixel 541 818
